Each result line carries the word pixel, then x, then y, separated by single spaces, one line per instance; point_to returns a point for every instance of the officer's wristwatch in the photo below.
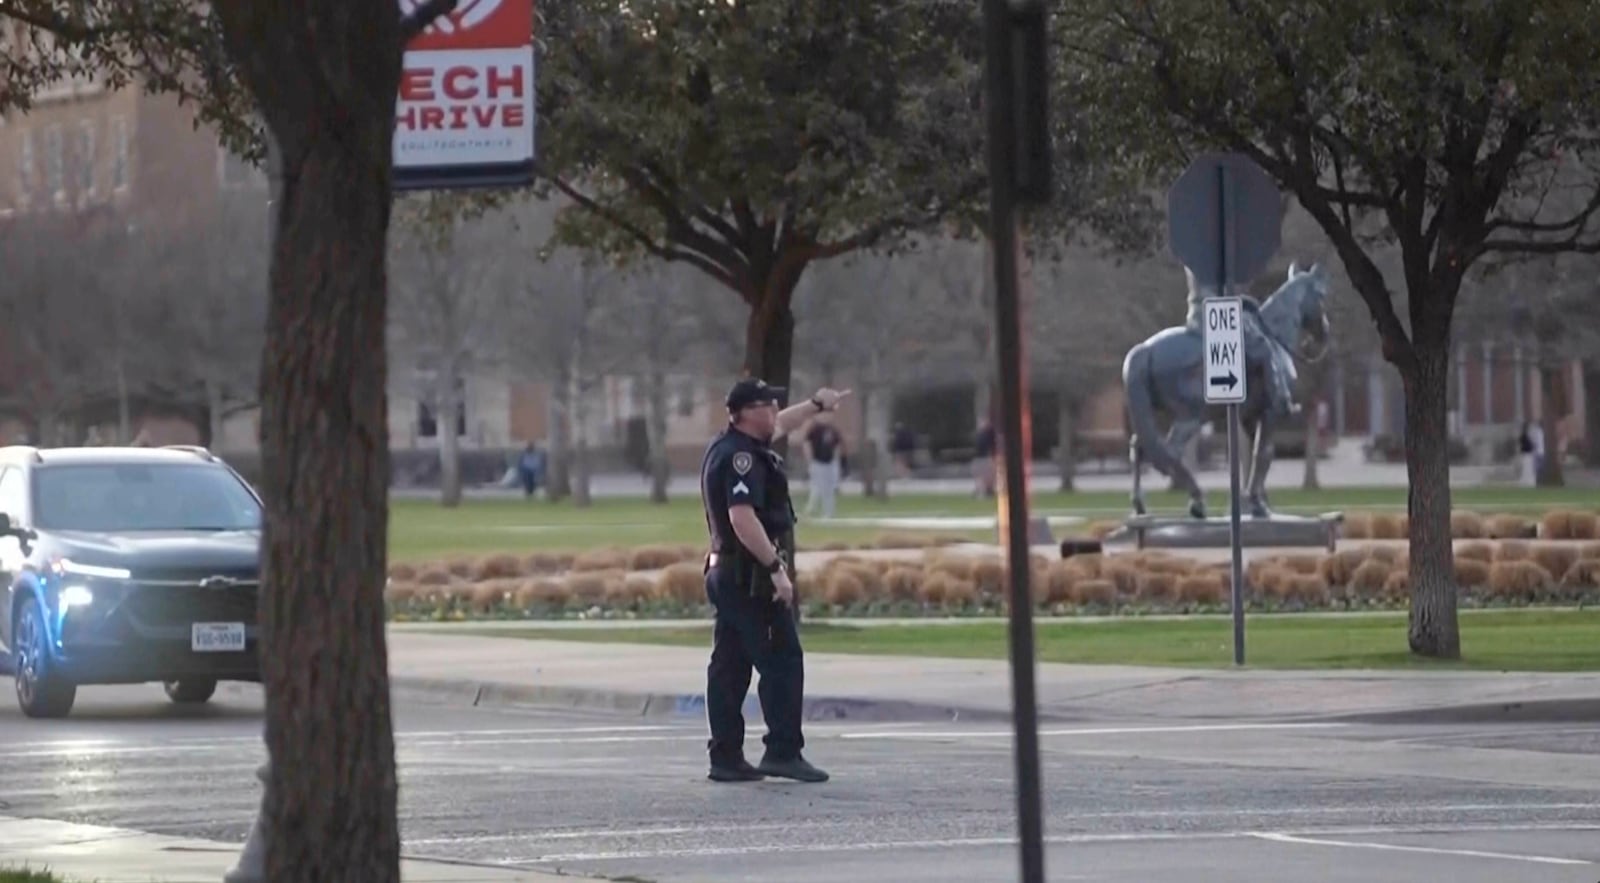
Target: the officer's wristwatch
pixel 818 402
pixel 776 565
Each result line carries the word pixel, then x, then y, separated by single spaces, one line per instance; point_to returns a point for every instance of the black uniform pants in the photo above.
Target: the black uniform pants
pixel 753 632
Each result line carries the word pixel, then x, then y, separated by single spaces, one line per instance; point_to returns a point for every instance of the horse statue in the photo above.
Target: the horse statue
pixel 1163 373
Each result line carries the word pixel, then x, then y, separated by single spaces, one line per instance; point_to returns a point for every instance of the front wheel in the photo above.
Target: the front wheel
pixel 190 691
pixel 40 691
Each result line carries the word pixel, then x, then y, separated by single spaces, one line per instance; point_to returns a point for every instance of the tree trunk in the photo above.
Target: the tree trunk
pixel 1553 392
pixel 325 473
pixel 1066 451
pixel 769 342
pixel 448 404
pixel 558 482
pixel 1434 630
pixel 580 436
pixel 1591 412
pixel 660 465
pixel 215 413
pixel 1311 481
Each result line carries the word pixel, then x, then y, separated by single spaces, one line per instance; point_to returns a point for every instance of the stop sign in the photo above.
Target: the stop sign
pixel 1224 219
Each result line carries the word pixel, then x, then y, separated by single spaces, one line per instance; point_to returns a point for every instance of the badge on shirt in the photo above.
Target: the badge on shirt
pixel 742 462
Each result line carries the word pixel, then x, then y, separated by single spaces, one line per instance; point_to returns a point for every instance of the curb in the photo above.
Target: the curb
pixel 496 694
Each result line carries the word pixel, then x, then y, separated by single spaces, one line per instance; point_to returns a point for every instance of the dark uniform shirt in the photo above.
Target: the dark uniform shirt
pixel 740 469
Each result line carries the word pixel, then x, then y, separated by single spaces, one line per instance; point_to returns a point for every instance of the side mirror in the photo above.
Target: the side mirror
pixel 5 524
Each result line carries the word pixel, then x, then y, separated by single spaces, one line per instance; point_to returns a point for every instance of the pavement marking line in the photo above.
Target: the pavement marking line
pixel 608 833
pixel 1056 840
pixel 435 738
pixel 1094 731
pixel 1430 850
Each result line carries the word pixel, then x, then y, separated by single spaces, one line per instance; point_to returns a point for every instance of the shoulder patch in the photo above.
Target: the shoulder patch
pixel 742 462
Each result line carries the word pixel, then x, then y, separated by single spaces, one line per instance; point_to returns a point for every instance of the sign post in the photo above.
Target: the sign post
pixel 1225 220
pixel 1225 384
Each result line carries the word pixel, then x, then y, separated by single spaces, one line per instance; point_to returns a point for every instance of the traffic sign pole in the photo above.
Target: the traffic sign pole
pixel 1228 242
pixel 1225 221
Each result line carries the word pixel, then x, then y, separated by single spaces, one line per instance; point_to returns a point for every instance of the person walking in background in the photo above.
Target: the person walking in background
pixel 530 469
pixel 1530 445
pixel 824 446
pixel 983 465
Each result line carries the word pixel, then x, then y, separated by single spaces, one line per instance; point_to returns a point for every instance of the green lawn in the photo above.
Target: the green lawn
pixel 422 529
pixel 1511 640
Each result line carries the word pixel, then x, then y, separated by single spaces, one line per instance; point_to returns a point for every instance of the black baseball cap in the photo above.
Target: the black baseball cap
pixel 751 391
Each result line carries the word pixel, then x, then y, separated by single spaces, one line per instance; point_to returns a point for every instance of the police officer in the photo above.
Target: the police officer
pixel 746 496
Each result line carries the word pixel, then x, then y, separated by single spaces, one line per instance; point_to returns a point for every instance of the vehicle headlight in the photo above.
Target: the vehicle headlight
pixel 76 596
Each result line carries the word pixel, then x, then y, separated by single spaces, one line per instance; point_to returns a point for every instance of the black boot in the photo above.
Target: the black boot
pixel 797 768
pixel 736 771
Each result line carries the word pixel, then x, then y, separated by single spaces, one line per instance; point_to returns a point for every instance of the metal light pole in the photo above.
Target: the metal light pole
pixel 1019 173
pixel 252 865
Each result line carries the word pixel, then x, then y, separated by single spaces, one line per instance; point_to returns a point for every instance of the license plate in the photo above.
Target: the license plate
pixel 217 637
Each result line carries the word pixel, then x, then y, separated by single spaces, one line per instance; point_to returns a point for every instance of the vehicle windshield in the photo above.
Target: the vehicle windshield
pixel 114 497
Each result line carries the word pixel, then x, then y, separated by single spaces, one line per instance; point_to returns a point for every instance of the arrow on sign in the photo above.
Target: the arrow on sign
pixel 1229 381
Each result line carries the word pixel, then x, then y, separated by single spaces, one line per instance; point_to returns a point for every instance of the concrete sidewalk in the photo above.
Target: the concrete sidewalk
pixel 95 854
pixel 670 681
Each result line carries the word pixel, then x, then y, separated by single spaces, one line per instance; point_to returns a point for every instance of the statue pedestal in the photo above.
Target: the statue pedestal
pixel 1183 532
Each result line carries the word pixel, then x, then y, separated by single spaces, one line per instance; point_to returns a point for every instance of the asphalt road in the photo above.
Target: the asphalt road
pixel 622 797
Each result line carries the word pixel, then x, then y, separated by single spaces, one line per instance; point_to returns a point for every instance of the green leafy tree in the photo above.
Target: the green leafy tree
pixel 752 140
pixel 1425 126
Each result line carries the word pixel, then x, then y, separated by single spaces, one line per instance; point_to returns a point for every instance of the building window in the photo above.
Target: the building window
pixel 85 158
pixel 54 172
pixel 119 154
pixel 427 414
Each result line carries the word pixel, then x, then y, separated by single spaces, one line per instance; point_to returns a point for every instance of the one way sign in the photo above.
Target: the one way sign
pixel 1224 344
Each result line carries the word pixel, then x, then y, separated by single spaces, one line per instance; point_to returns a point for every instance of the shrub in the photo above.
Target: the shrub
pixel 1517 579
pixel 659 557
pixel 843 588
pixel 1589 551
pixel 1467 525
pixel 1584 526
pixel 608 558
pixel 1475 552
pixel 684 583
pixel 1370 576
pixel 434 576
pixel 403 572
pixel 1387 526
pixel 1555 559
pixel 1095 592
pixel 1356 526
pixel 1502 527
pixel 903 582
pixel 496 567
pixel 1583 574
pixel 1471 573
pixel 1398 586
pixel 540 563
pixel 1203 589
pixel 1513 550
pixel 1338 568
pixel 1157 587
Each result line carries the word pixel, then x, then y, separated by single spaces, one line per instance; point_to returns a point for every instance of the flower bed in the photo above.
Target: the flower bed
pixel 1489 573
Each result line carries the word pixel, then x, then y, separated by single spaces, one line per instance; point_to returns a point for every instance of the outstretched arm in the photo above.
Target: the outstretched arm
pixel 795 416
